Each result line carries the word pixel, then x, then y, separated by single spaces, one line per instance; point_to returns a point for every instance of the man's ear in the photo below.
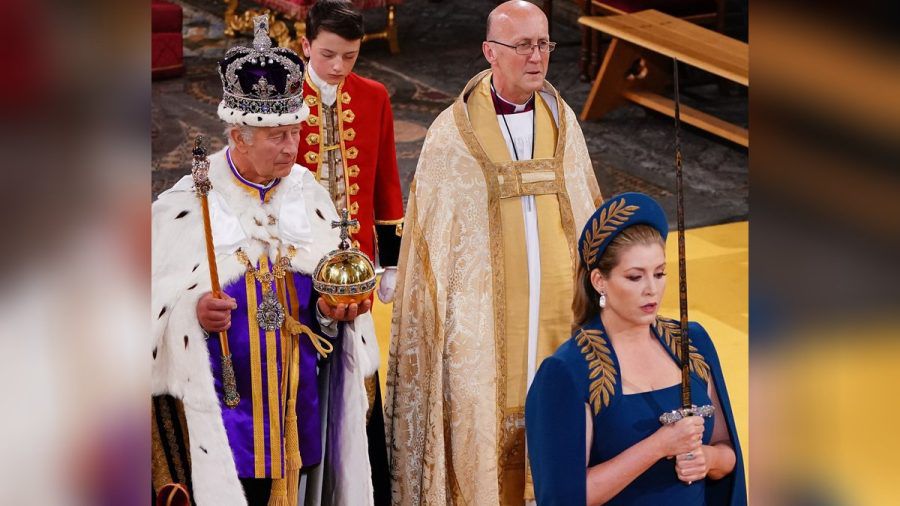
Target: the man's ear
pixel 238 139
pixel 488 52
pixel 305 45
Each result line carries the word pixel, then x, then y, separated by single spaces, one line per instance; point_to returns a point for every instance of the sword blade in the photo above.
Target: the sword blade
pixel 682 267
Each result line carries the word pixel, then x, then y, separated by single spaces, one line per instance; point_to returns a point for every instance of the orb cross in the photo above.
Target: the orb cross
pixel 345 223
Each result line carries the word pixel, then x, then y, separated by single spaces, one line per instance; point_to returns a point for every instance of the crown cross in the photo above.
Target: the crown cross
pixel 345 223
pixel 261 40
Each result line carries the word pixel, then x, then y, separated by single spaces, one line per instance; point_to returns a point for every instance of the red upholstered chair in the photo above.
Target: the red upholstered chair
pixel 166 43
pixel 709 13
pixel 284 14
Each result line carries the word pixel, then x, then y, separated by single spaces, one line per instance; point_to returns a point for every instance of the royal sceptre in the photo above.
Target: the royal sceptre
pixel 202 186
pixel 687 406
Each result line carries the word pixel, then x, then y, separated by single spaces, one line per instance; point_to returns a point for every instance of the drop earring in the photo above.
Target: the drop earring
pixel 602 301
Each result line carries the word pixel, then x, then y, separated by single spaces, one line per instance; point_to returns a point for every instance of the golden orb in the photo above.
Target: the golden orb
pixel 346 275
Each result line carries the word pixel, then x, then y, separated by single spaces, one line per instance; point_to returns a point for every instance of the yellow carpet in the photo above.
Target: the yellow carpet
pixel 717 267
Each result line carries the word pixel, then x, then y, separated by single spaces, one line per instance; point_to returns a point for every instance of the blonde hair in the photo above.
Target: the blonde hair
pixel 585 302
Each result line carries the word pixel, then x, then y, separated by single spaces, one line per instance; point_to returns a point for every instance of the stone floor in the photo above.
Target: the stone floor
pixel 440 42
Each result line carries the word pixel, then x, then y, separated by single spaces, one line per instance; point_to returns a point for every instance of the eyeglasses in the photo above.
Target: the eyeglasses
pixel 528 48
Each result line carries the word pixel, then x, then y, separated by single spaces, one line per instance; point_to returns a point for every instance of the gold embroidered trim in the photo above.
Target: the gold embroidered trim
pixel 389 222
pixel 595 349
pixel 312 101
pixel 348 116
pixel 259 439
pixel 341 118
pixel 312 120
pixel 608 222
pixel 312 139
pixel 353 170
pixel 318 164
pixel 670 331
pixel 272 384
pixel 345 98
pixel 354 189
pixel 352 152
pixel 354 208
pixel 348 134
pixel 311 157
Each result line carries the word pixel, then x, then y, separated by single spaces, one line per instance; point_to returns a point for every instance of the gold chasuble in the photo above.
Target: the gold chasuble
pixel 458 369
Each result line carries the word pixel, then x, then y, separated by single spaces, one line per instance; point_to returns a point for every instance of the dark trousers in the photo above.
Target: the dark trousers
pixel 257 490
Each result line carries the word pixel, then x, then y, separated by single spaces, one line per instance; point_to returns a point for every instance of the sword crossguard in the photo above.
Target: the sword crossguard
pixel 673 416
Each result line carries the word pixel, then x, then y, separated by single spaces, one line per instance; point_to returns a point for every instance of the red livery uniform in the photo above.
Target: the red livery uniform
pixel 349 146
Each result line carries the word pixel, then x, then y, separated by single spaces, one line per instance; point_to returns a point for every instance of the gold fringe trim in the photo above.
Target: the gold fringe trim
pixel 279 497
pixel 292 453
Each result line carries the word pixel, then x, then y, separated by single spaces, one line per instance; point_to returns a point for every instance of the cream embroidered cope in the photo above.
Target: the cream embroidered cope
pixel 442 404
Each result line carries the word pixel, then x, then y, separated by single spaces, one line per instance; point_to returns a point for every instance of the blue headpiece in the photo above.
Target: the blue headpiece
pixel 612 217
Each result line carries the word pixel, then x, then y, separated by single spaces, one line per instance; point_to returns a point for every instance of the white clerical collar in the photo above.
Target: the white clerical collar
pixel 328 92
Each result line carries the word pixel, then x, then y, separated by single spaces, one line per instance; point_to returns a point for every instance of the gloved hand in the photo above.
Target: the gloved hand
pixel 387 285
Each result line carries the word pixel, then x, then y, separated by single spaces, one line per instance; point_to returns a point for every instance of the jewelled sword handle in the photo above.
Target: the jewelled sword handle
pixel 675 415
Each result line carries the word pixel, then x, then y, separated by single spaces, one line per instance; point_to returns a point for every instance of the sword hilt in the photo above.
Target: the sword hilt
pixel 673 416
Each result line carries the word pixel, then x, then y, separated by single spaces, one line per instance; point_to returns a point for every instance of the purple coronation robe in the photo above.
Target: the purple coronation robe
pixel 255 427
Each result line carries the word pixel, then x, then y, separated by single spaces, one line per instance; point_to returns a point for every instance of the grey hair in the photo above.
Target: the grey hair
pixel 245 131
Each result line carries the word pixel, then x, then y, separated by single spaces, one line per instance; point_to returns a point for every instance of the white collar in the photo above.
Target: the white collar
pixel 327 91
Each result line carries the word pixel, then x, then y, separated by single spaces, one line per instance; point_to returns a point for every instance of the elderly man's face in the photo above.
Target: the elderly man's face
pixel 273 151
pixel 518 76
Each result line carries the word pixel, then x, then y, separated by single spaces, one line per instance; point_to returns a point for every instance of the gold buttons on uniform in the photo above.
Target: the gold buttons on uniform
pixel 312 101
pixel 312 139
pixel 353 170
pixel 345 98
pixel 312 120
pixel 349 134
pixel 348 116
pixel 311 157
pixel 354 208
pixel 352 153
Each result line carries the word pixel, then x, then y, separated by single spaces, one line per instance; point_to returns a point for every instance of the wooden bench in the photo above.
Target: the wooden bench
pixel 638 66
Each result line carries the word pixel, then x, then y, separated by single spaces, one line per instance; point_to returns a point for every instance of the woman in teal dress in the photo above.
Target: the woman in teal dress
pixel 592 412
